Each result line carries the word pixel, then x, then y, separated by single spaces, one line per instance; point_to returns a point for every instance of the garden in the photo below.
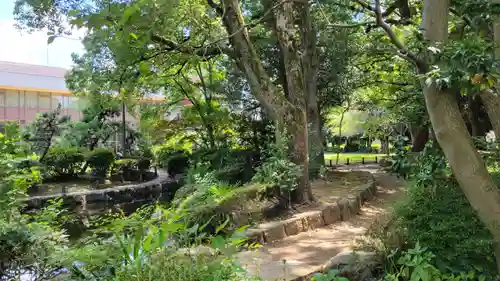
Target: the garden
pixel 283 128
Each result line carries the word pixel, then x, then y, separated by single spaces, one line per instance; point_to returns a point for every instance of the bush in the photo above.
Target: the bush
pixel 64 161
pixel 123 165
pixel 100 160
pixel 437 214
pixel 177 164
pixel 236 166
pixel 163 153
pixel 143 164
pixel 280 173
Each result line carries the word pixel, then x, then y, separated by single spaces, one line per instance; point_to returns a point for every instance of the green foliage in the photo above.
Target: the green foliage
pixel 143 164
pixel 331 275
pixel 235 166
pixel 123 165
pixel 41 133
pixel 64 161
pixel 278 170
pixel 26 244
pixel 158 247
pixel 400 162
pixel 437 214
pixel 162 153
pixel 97 124
pixel 416 264
pixel 100 161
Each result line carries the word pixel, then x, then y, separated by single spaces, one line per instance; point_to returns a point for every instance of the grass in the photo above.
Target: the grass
pixel 353 157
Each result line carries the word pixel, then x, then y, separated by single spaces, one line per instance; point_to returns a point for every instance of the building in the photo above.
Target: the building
pixel 27 90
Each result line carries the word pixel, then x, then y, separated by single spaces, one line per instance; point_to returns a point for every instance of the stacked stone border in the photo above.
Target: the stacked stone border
pixel 151 190
pixel 329 213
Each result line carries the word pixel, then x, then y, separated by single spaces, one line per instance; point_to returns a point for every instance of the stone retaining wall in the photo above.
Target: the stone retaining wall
pixel 329 213
pixel 161 188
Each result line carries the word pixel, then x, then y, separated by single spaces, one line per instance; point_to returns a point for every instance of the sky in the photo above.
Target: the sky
pixel 20 46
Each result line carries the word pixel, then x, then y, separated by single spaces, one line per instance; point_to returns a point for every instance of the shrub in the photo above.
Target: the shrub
pixel 100 160
pixel 177 164
pixel 280 173
pixel 123 165
pixel 140 250
pixel 236 166
pixel 143 164
pixel 163 153
pixel 64 161
pixel 437 214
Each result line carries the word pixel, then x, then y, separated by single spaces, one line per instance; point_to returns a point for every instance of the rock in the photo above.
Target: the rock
pixel 312 220
pixel 345 213
pixel 273 231
pixel 331 213
pixel 197 251
pixel 367 192
pixel 357 265
pixel 293 226
pixel 254 235
pixel 354 204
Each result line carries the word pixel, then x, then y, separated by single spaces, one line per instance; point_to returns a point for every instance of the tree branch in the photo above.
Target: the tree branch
pixel 202 51
pixel 354 25
pixel 402 50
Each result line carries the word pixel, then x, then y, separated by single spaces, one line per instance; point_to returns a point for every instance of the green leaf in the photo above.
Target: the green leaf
pixel 133 35
pixel 144 68
pixel 137 242
pixel 222 226
pixel 73 13
pixel 218 242
pixel 51 39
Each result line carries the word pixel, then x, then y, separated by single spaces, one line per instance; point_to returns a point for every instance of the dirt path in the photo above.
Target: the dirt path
pixel 306 252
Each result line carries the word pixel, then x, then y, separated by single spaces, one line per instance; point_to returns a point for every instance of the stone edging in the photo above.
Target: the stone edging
pixel 330 213
pixel 120 194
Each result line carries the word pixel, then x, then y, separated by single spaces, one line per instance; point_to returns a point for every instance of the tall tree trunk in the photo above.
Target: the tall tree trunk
pixel 467 166
pixel 286 32
pixel 419 137
pixel 290 111
pixel 310 70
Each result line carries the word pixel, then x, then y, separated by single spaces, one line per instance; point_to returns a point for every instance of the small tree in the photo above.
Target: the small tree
pixel 41 132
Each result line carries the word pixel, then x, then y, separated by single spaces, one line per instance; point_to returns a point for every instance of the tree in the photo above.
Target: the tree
pixel 97 124
pixel 446 119
pixel 126 30
pixel 40 134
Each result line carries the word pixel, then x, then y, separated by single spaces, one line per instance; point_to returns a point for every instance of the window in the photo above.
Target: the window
pixel 21 99
pixel 2 99
pixel 12 99
pixel 31 100
pixel 44 101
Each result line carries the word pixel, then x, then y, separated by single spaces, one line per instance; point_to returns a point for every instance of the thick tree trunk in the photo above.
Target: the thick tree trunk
pixel 467 165
pixel 419 137
pixel 285 19
pixel 290 111
pixel 310 70
pixel 491 103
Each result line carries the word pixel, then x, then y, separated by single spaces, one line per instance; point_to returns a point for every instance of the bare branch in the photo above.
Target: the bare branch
pixel 402 50
pixel 351 25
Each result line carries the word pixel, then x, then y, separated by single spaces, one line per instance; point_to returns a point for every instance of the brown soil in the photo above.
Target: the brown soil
pixel 336 185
